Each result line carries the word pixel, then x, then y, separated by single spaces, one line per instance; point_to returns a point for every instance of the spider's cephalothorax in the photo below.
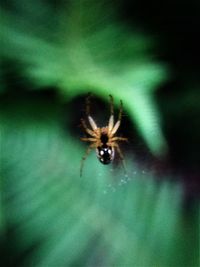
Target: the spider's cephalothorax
pixel 103 139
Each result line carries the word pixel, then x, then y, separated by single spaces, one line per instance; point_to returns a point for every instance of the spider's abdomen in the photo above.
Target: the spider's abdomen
pixel 105 154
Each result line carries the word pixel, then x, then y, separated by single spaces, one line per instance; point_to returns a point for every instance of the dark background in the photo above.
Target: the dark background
pixel 176 25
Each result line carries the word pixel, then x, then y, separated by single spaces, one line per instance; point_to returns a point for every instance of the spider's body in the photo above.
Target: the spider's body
pixel 103 139
pixel 105 152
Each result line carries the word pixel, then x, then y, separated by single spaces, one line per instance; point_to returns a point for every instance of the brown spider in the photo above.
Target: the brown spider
pixel 103 139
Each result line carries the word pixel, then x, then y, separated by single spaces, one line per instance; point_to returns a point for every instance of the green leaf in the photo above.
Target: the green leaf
pixel 86 48
pixel 62 219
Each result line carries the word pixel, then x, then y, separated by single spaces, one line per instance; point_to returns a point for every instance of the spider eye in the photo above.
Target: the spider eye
pixel 105 154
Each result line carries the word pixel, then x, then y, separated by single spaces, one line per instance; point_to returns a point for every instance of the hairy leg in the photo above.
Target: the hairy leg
pixel 92 123
pixel 111 105
pixel 88 139
pixel 120 111
pixel 85 156
pixel 117 124
pixel 115 128
pixel 110 124
pixel 116 138
pixel 120 155
pixel 87 107
pixel 111 119
pixel 90 132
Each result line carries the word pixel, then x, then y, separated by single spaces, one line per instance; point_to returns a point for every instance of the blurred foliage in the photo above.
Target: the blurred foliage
pixel 55 218
pixel 85 48
pixel 49 216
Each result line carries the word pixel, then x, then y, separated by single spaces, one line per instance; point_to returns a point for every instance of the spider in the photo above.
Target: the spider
pixel 103 139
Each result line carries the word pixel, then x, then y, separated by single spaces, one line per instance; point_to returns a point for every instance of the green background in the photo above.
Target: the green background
pixel 52 55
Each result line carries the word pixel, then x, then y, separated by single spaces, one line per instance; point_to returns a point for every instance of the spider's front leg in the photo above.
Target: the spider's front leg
pixel 111 105
pixel 113 128
pixel 87 111
pixel 87 130
pixel 120 111
pixel 111 119
pixel 87 104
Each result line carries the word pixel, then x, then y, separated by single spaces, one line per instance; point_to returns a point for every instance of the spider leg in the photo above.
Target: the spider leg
pixel 117 124
pixel 87 109
pixel 120 111
pixel 88 139
pixel 116 138
pixel 90 132
pixel 111 119
pixel 111 105
pixel 92 123
pixel 120 155
pixel 110 123
pixel 115 128
pixel 84 157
